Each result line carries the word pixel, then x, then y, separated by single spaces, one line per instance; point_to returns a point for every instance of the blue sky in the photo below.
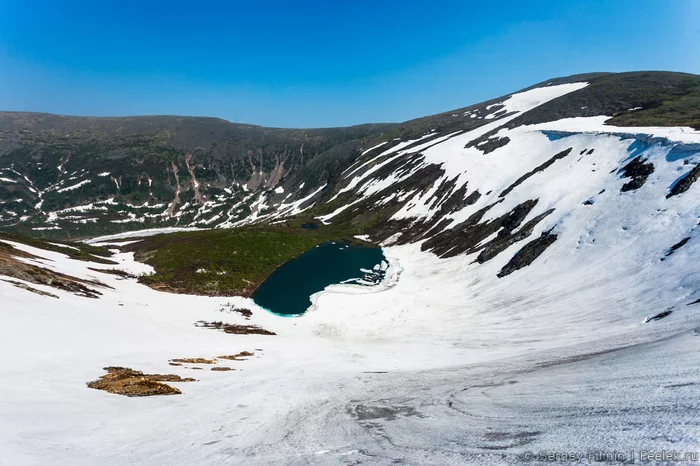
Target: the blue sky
pixel 321 63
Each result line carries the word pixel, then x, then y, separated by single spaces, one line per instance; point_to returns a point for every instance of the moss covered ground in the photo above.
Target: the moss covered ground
pixel 227 262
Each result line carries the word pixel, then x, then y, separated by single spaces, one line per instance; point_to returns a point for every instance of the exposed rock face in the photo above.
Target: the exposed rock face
pixel 176 200
pixel 683 184
pixel 469 235
pixel 540 168
pixel 506 237
pixel 528 254
pixel 676 246
pixel 195 184
pixel 638 171
pixel 489 143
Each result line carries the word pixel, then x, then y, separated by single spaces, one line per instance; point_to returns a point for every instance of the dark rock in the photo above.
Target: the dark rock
pixel 677 246
pixel 458 201
pixel 528 254
pixel 491 144
pixel 506 238
pixel 658 316
pixel 538 169
pixel 684 183
pixel 468 234
pixel 638 171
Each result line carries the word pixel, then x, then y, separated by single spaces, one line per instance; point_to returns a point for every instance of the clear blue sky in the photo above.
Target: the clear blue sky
pixel 321 63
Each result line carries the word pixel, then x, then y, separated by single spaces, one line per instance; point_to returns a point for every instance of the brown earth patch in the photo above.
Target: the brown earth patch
pixel 240 310
pixel 235 328
pixel 194 360
pixel 128 382
pixel 222 368
pixel 235 357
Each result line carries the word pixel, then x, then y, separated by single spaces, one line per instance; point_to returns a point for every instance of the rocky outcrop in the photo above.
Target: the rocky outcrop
pixel 528 254
pixel 540 168
pixel 683 184
pixel 468 236
pixel 195 184
pixel 638 171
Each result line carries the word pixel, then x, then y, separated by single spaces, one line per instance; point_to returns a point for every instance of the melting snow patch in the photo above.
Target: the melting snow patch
pixel 140 233
pixel 75 186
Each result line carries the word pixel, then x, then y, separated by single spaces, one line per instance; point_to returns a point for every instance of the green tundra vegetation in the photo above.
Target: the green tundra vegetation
pixel 227 262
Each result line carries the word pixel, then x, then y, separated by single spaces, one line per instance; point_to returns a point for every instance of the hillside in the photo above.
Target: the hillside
pixel 69 177
pixel 541 293
pixel 87 176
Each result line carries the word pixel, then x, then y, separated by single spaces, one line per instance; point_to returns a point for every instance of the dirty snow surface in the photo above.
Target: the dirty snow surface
pixel 591 347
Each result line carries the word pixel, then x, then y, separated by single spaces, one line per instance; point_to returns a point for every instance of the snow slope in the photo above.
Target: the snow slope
pixel 429 370
pixel 445 362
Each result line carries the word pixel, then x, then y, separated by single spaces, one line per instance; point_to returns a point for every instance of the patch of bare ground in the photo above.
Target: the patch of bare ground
pixel 29 288
pixel 117 272
pixel 222 368
pixel 194 360
pixel 228 307
pixel 234 328
pixel 128 382
pixel 236 357
pixel 12 266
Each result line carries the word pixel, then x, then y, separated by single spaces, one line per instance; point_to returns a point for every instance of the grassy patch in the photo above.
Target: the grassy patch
pixel 666 109
pixel 227 262
pixel 650 98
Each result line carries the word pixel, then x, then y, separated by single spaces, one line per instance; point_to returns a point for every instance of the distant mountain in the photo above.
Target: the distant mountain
pixel 72 176
pixel 62 175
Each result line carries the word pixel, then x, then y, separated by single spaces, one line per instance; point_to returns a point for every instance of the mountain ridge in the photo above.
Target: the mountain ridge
pixel 85 176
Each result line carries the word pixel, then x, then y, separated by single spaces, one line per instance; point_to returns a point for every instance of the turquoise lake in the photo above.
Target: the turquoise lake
pixel 288 290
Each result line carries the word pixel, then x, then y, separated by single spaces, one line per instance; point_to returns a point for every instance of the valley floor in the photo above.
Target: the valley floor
pixel 424 370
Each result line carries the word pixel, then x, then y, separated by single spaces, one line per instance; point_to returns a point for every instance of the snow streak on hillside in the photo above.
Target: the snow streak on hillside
pixel 543 295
